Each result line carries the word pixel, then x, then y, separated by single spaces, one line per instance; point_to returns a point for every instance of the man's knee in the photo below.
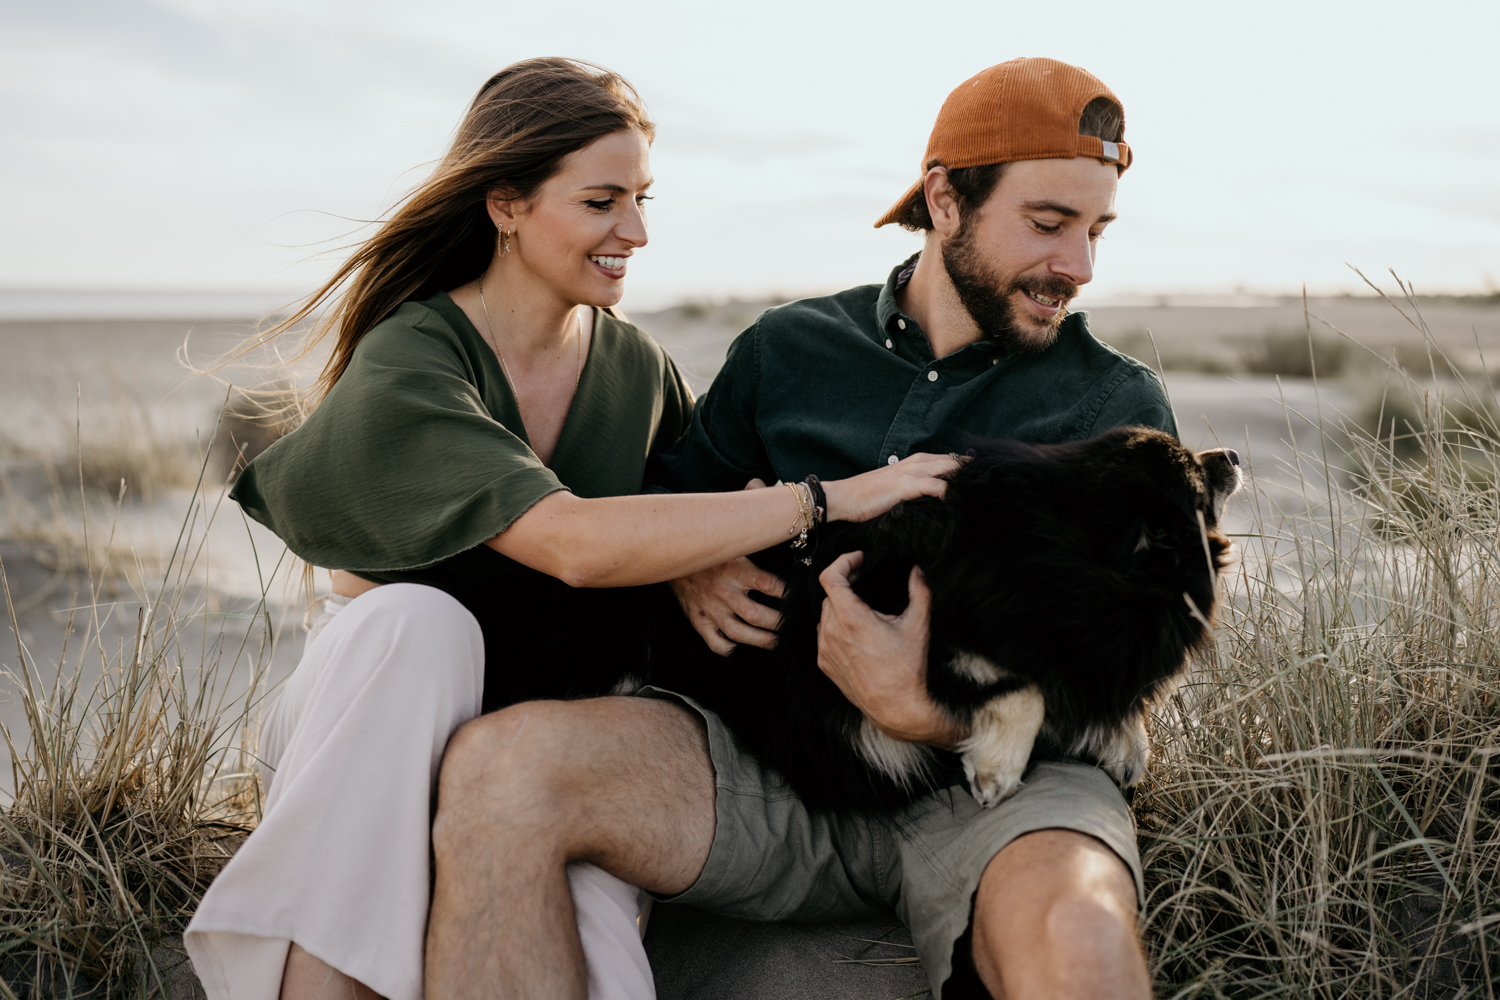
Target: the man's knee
pixel 1056 893
pixel 509 768
pixel 556 770
pixel 1060 869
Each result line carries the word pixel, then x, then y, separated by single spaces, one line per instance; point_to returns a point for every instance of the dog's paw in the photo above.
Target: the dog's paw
pixel 999 744
pixel 990 788
pixel 1128 752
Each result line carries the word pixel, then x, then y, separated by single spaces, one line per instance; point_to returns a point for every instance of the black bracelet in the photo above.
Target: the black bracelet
pixel 820 499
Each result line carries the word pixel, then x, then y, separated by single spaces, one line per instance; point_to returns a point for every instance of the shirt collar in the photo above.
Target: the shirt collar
pixel 896 324
pixel 886 310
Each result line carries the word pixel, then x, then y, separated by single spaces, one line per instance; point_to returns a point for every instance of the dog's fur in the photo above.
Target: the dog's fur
pixel 1070 583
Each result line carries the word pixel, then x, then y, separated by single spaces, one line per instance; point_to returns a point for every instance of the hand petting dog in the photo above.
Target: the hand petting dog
pixel 879 661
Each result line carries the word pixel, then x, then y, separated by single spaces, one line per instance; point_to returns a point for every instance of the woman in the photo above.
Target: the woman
pixel 478 449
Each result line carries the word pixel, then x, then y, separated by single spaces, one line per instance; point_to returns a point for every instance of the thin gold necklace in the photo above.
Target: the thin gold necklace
pixel 495 343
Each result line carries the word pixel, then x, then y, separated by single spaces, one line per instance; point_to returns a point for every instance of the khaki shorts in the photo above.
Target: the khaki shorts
pixel 773 859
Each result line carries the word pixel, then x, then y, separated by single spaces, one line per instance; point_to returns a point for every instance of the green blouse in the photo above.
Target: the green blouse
pixel 418 454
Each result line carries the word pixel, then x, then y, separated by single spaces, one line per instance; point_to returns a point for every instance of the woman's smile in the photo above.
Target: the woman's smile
pixel 611 266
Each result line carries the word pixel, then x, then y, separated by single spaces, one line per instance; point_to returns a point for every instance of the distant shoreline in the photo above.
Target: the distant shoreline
pixel 31 305
pixel 40 304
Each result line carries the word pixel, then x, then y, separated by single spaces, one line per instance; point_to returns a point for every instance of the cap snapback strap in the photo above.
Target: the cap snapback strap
pixel 1117 153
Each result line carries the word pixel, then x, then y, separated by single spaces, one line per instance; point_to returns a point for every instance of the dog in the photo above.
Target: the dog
pixel 1070 585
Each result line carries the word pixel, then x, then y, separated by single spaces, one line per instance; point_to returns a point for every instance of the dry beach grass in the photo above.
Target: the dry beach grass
pixel 1323 815
pixel 1322 819
pixel 130 795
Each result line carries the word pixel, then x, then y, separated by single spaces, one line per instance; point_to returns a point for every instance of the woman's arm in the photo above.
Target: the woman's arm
pixel 634 540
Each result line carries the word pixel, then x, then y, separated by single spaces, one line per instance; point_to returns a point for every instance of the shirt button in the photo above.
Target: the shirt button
pixel 900 324
pixel 892 460
pixel 994 361
pixel 888 343
pixel 932 376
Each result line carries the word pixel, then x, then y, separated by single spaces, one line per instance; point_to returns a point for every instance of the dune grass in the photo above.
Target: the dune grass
pixel 1323 815
pixel 132 792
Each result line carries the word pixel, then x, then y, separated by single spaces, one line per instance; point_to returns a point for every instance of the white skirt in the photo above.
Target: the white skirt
pixel 340 860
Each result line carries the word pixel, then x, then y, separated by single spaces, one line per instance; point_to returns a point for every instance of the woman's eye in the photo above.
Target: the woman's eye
pixel 601 204
pixel 1046 229
pixel 641 199
pixel 1094 237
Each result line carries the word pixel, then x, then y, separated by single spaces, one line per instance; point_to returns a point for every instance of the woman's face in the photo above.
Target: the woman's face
pixel 576 233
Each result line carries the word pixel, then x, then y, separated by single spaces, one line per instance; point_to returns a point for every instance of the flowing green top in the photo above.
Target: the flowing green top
pixel 418 454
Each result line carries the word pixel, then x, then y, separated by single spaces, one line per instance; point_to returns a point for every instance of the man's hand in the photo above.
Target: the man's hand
pixel 717 601
pixel 880 661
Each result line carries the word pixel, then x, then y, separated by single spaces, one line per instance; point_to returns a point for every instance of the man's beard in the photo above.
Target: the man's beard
pixel 987 296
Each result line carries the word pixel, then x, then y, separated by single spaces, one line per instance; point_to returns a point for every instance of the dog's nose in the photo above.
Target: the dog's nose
pixel 1234 456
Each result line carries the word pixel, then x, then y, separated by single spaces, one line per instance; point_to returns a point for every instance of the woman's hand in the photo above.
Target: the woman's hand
pixel 871 494
pixel 718 604
pixel 879 661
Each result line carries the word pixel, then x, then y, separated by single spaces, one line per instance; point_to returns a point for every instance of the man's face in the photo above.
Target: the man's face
pixel 1019 259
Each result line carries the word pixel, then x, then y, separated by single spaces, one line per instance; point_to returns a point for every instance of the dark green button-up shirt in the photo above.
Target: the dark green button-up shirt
pixel 838 385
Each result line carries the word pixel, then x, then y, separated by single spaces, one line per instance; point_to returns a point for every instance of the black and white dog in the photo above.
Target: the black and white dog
pixel 1070 583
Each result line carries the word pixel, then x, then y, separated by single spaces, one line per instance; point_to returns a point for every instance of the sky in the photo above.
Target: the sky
pixel 238 144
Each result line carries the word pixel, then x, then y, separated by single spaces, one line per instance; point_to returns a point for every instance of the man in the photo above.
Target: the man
pixel 1034 898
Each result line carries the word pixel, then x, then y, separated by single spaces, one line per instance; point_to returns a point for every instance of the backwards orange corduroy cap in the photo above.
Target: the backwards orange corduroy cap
pixel 1024 109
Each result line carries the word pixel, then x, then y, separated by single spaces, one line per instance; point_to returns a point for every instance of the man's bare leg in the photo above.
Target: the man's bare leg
pixel 309 978
pixel 1055 917
pixel 625 783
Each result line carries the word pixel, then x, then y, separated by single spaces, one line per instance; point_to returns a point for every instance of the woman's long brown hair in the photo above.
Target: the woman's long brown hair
pixel 523 121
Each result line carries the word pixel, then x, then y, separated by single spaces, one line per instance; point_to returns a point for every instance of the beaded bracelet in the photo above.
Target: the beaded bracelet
pixel 820 499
